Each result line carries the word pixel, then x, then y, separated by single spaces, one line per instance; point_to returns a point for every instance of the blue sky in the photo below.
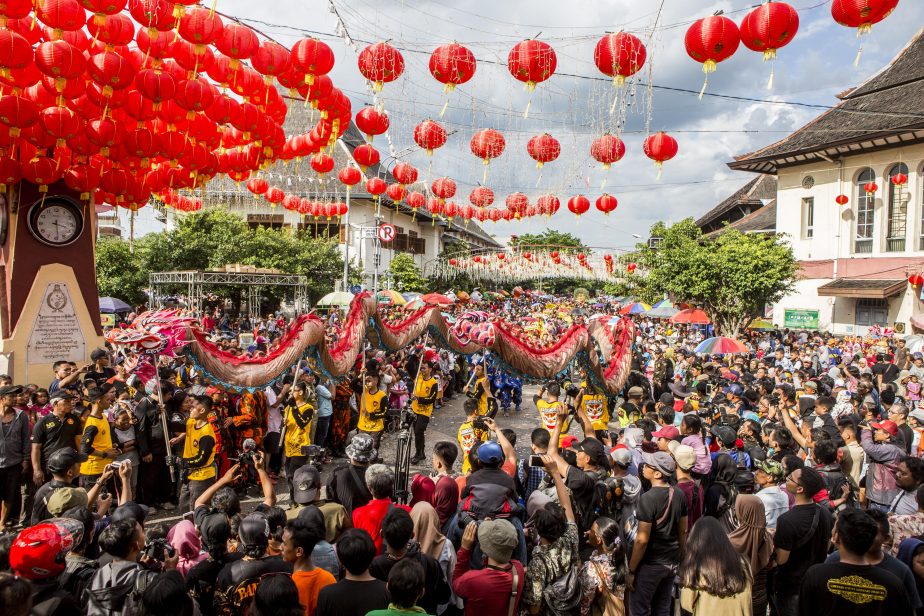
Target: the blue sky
pixel 816 66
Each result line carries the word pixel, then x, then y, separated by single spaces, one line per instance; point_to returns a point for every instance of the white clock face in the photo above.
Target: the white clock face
pixel 56 224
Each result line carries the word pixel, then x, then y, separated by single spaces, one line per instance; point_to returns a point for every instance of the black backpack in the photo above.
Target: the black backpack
pixel 836 482
pixel 121 600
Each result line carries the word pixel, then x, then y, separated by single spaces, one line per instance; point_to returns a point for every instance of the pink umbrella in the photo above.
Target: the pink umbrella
pixel 436 299
pixel 693 316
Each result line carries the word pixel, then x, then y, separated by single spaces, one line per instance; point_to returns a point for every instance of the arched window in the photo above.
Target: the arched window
pixel 897 223
pixel 866 205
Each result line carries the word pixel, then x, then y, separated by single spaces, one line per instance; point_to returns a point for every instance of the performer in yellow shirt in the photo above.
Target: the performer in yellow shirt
pixel 198 461
pixel 480 391
pixel 549 406
pixel 426 389
pixel 469 435
pixel 298 415
pixel 372 408
pixel 97 438
pixel 595 405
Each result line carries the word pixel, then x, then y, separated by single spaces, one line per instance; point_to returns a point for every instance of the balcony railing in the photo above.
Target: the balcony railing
pixel 895 244
pixel 863 246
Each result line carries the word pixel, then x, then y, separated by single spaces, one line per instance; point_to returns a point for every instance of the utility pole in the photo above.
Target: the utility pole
pixel 377 257
pixel 346 245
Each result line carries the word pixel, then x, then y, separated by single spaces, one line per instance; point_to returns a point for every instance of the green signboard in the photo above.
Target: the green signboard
pixel 800 319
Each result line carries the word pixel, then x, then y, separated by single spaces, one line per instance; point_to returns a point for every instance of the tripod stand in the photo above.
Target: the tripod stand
pixel 403 466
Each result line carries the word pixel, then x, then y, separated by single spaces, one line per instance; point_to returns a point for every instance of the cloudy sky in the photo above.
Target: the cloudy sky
pixel 574 105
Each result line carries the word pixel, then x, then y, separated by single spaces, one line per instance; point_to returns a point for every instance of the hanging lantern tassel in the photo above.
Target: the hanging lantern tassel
pixel 445 105
pixel 615 100
pixel 660 167
pixel 131 230
pixel 531 87
pixel 709 66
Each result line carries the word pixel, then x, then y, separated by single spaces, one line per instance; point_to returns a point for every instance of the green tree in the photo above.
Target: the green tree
pixel 119 273
pixel 732 276
pixel 549 239
pixel 407 275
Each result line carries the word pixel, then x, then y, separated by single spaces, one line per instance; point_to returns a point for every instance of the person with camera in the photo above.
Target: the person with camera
pixel 117 587
pixel 198 461
pixel 426 390
pixel 297 416
pixel 97 443
pixel 372 408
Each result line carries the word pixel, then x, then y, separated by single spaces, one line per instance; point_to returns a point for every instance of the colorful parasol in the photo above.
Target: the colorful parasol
pixel 337 298
pixel 720 345
pixel 635 308
pixel 437 299
pixel 388 297
pixel 692 316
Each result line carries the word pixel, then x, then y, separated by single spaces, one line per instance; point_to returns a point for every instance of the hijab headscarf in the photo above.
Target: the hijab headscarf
pixel 185 541
pixel 751 538
pixel 427 529
pixel 422 489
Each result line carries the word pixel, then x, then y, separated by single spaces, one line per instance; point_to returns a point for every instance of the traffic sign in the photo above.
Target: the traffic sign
pixel 387 232
pixel 369 233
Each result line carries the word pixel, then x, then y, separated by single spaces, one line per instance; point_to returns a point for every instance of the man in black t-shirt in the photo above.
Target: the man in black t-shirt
pixel 801 539
pixel 57 430
pixel 215 530
pixel 100 371
pixel 358 593
pixel 852 587
pixel 238 580
pixel 659 541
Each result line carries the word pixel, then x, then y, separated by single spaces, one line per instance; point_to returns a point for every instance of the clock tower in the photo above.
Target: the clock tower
pixel 49 302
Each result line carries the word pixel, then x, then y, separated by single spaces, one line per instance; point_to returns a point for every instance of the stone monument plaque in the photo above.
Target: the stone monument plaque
pixel 56 333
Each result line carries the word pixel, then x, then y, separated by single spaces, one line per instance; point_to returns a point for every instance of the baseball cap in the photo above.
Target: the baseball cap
pixel 888 425
pixel 490 452
pixel 62 394
pixel 684 455
pixel 733 389
pixel 725 434
pixel 214 529
pixel 636 392
pixel 917 414
pixel 63 499
pixel 98 392
pixel 669 432
pixel 307 482
pixel 622 456
pixel 593 448
pixel 661 461
pixel 10 389
pixel 810 385
pixel 771 467
pixel 497 539
pixel 61 460
pixel 97 354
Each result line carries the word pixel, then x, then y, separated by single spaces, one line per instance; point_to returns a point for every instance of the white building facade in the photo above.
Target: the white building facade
pixel 855 258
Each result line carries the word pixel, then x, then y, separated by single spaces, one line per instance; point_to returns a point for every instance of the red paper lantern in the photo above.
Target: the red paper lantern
pixel 501 256
pixel 372 122
pixel 916 280
pixel 450 210
pixel 606 203
pixel 41 171
pixel 350 176
pixel 548 204
pixel 481 196
pixel 487 144
pixel 619 55
pixel 61 123
pixel 452 65
pixel 444 188
pixel 429 135
pixel 15 51
pixel 842 199
pixel 404 173
pixel 607 149
pixel 396 192
pixel 578 204
pixel 416 200
pixel 60 15
pixel 531 62
pixel 711 40
pixel 322 163
pixel 200 26
pixel 517 203
pixel 660 147
pixel 870 188
pixel 375 186
pixel 61 61
pixel 10 171
pixel 544 149
pixel 17 112
pixel 366 156
pixel 312 57
pixel 861 14
pixel 453 262
pixel 380 63
pixel 274 195
pixel 257 186
pixel 769 27
pixel 899 179
pixel 237 42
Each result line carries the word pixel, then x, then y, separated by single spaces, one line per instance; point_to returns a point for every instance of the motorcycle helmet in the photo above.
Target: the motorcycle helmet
pixel 38 552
